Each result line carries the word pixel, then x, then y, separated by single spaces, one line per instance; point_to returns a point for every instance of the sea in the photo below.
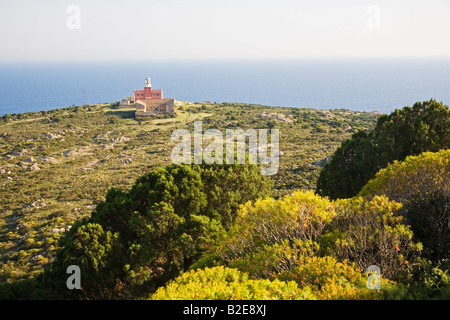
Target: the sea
pixel 381 85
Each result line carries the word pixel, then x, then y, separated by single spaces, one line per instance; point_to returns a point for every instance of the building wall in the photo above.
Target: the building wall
pixel 138 95
pixel 147 93
pixel 149 107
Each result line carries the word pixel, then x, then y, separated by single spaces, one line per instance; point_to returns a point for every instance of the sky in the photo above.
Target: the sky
pixel 102 30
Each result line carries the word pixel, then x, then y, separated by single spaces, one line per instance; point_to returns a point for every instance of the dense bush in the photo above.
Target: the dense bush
pixel 370 233
pixel 367 232
pixel 429 280
pixel 409 131
pixel 136 241
pixel 222 283
pixel 422 184
pixel 330 279
pixel 327 278
pixel 268 261
pixel 300 216
pixel 228 186
pixel 323 245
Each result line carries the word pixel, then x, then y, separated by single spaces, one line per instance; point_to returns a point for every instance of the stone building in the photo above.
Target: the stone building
pixel 149 107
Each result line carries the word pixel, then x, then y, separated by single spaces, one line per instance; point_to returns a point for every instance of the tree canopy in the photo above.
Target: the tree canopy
pixel 137 240
pixel 409 131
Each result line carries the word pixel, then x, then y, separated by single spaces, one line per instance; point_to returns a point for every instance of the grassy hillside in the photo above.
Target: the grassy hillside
pixel 55 166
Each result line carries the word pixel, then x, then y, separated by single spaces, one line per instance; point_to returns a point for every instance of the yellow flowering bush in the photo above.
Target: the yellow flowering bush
pixel 422 184
pixel 330 279
pixel 222 283
pixel 268 261
pixel 369 232
pixel 300 216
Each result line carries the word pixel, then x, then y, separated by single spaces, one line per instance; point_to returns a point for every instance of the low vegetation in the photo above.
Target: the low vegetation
pixel 142 228
pixel 56 166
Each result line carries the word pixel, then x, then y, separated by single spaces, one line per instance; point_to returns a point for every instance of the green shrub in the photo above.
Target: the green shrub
pixel 429 280
pixel 409 131
pixel 160 227
pixel 422 184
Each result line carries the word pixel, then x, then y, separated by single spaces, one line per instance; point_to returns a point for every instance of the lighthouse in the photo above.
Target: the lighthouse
pixel 148 92
pixel 148 102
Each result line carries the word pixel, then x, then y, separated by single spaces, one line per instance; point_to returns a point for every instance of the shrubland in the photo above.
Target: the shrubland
pixel 226 232
pixel 56 166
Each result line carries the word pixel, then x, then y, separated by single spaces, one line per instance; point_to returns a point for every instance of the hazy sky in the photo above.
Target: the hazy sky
pixel 210 29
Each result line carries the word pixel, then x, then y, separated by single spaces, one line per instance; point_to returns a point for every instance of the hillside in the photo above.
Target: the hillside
pixel 55 166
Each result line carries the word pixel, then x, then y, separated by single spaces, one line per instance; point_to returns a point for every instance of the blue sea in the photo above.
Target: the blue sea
pixel 362 84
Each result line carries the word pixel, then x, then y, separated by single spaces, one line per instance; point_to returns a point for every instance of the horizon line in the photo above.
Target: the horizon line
pixel 443 57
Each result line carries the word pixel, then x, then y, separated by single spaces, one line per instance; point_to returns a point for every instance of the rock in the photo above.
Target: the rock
pixel 71 153
pixel 50 160
pixel 19 153
pixel 83 151
pixel 125 159
pixel 277 116
pixel 36 204
pixel 119 139
pixel 102 135
pixel 52 136
pixel 35 167
pixel 108 146
pixel 68 153
pixel 322 162
pixel 28 160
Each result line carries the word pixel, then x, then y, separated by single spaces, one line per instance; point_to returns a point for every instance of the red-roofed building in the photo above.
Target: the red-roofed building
pixel 148 92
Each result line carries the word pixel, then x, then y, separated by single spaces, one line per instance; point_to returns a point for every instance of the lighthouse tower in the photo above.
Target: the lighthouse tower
pixel 148 92
pixel 148 83
pixel 148 88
